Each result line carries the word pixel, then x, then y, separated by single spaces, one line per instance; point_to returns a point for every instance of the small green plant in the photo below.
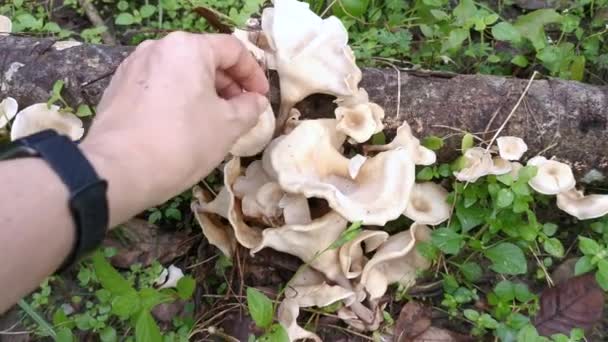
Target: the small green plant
pixel 261 310
pixel 594 259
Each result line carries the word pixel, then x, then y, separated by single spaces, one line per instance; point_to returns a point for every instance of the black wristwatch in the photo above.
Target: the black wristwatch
pixel 88 193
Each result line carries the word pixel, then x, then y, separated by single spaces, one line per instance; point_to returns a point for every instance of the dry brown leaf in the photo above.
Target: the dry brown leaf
pixel 576 303
pixel 142 242
pixel 414 319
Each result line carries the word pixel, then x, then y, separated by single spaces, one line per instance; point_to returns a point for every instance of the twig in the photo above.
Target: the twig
pixel 97 21
pixel 521 98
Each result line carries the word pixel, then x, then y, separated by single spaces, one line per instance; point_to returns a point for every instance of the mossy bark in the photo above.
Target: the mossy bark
pixel 559 118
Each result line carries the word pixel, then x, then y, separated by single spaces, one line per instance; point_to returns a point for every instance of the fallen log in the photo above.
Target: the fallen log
pixel 558 118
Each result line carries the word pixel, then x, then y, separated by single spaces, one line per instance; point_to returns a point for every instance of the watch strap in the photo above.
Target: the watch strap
pixel 87 192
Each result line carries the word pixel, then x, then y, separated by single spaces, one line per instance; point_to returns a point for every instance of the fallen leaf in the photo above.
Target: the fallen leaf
pixel 414 319
pixel 576 303
pixel 141 242
pixel 165 312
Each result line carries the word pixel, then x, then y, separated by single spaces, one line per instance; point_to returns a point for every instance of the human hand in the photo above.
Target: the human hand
pixel 171 113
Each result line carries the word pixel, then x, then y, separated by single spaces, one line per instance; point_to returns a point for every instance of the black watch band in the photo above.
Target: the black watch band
pixel 88 193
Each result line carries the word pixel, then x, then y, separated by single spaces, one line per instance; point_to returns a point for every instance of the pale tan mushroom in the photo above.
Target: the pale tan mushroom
pixel 248 38
pixel 405 139
pixel 352 258
pixel 575 203
pixel 354 165
pixel 478 163
pixel 6 25
pixel 552 177
pixel 39 117
pixel 307 241
pixel 169 278
pixel 311 54
pixel 396 261
pixel 307 162
pixel 515 167
pixel 8 110
pixel 428 204
pixel 254 141
pixel 219 235
pixel 295 209
pixel 361 121
pixel 500 166
pixel 511 148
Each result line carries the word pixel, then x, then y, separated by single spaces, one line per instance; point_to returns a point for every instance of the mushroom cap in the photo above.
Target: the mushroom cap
pixel 8 110
pixel 311 54
pixel 552 177
pixel 38 117
pixel 218 234
pixel 582 207
pixel 511 148
pixel 515 167
pixel 428 204
pixel 352 258
pixel 361 121
pixel 478 163
pixel 248 39
pixel 307 162
pixel 404 138
pixel 169 277
pixel 500 166
pixel 295 209
pixel 306 241
pixel 397 260
pixel 254 141
pixel 354 165
pixel 6 25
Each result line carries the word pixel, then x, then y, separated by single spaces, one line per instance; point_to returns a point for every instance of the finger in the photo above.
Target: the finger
pixel 247 108
pixel 233 58
pixel 226 87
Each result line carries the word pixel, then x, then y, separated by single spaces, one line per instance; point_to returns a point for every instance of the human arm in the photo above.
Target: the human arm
pixel 170 115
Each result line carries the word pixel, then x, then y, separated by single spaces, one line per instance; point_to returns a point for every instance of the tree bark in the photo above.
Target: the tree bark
pixel 559 118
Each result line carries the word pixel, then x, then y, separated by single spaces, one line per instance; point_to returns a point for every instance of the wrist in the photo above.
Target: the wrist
pixel 128 192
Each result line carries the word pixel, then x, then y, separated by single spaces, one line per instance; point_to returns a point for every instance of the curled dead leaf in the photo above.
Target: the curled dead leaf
pixel 576 303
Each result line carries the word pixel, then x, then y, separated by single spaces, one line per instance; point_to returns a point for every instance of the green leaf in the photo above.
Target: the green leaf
pixel 379 139
pixel 146 329
pixel 471 314
pixel 467 142
pixel 465 10
pixel 583 265
pixel 554 247
pixel 588 246
pixel 448 241
pixel 505 198
pixel 51 27
pixel 185 287
pixel 471 271
pixel 505 290
pixel 124 19
pixel 64 335
pixel 109 277
pixel 526 173
pixel 520 61
pixel 506 32
pixel 147 11
pixel 602 274
pixel 149 298
pixel 549 229
pixel 528 334
pixel 348 235
pixel 522 293
pixel 108 334
pixel 276 333
pixel 488 321
pixel 455 39
pixel 260 308
pixel 432 142
pixel 122 6
pixel 577 68
pixel 439 14
pixel 84 111
pixel 531 25
pixel 125 305
pixel 426 174
pixel 507 258
pixel 43 325
pixel 471 217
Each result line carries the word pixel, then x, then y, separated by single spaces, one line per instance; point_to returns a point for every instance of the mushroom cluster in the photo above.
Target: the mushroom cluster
pixel 271 198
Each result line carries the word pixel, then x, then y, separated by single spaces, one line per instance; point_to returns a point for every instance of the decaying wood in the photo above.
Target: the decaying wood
pixel 561 118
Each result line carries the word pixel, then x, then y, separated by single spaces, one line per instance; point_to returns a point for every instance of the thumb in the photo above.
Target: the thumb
pixel 247 108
